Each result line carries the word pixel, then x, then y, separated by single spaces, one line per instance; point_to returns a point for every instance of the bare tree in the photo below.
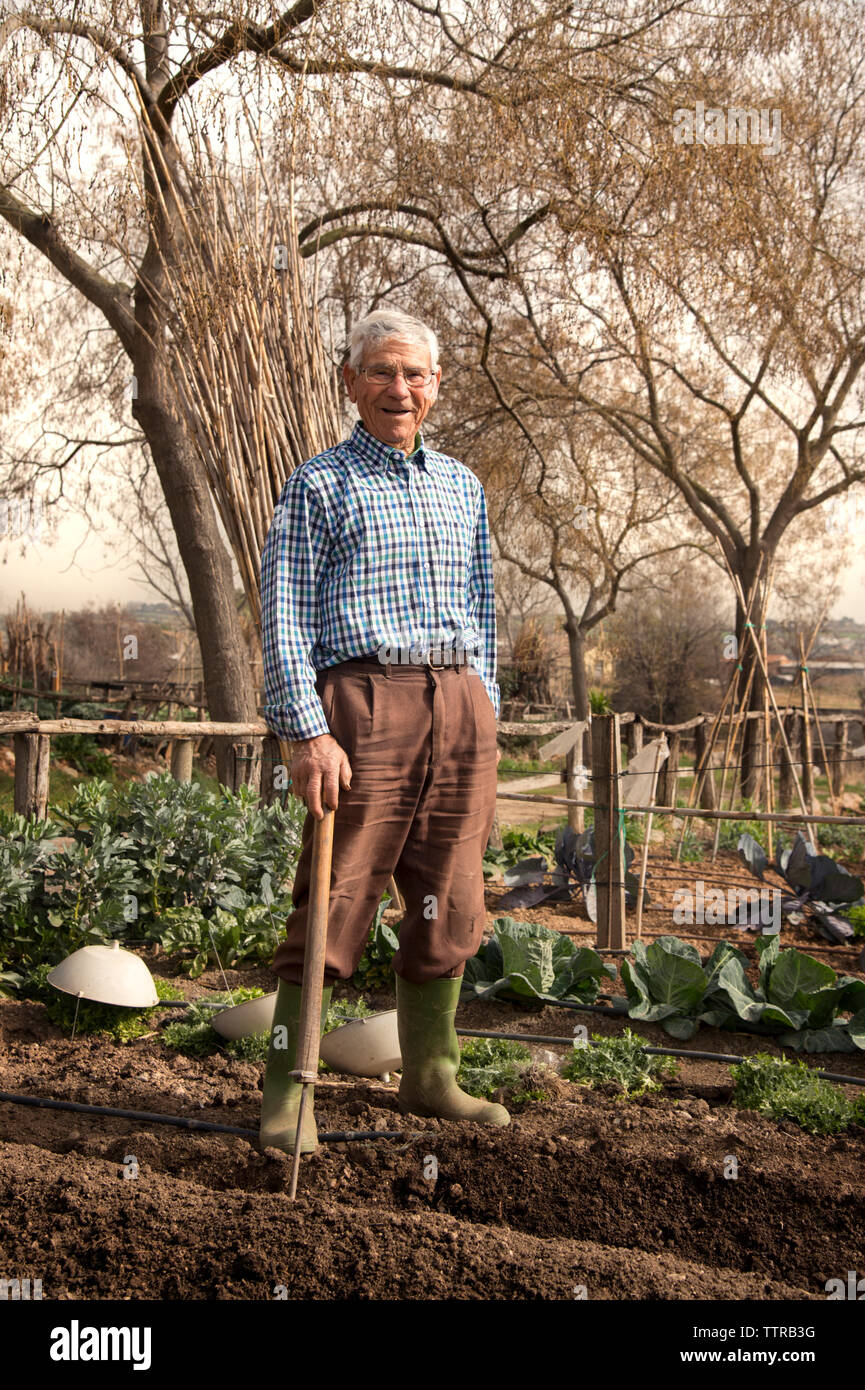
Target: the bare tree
pixel 704 302
pixel 583 521
pixel 666 645
pixel 162 60
pixel 516 603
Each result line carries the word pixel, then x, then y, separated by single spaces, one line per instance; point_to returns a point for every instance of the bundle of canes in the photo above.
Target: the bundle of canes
pixel 312 988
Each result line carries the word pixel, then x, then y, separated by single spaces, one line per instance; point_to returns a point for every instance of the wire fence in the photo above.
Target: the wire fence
pixel 607 781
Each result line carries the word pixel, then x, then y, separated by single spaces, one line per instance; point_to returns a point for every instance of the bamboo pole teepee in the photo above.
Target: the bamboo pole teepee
pixel 245 353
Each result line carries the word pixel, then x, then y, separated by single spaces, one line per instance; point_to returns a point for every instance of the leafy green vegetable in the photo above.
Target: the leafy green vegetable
pixel 160 860
pixel 248 933
pixel 799 999
pixel 664 982
pixel 527 960
pixel 531 882
pixel 622 1059
pixel 195 1035
pixel 253 1048
pixel 693 846
pixel 343 1010
pixel 121 1024
pixel 753 854
pixel 487 1064
pixel 785 1090
pixel 819 883
pixel 374 970
pixel 518 844
pixel 856 918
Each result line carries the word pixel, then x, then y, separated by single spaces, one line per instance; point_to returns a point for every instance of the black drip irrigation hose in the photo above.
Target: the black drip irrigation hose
pixel 337 1136
pixel 727 1058
pixel 188 1004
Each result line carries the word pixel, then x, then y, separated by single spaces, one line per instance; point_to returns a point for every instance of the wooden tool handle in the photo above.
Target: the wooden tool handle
pixel 309 1028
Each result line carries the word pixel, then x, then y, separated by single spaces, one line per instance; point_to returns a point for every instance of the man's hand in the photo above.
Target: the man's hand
pixel 498 756
pixel 319 767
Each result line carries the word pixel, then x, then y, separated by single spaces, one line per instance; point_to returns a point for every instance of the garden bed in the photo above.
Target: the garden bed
pixel 627 1199
pixel 586 1190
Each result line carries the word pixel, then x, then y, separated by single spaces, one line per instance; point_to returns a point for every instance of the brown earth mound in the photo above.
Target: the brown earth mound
pixel 625 1200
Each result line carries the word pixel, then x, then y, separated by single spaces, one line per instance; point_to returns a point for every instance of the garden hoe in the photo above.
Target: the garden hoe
pixel 309 1027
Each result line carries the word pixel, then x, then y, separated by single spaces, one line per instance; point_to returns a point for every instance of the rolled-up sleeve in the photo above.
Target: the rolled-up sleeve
pixel 482 604
pixel 291 562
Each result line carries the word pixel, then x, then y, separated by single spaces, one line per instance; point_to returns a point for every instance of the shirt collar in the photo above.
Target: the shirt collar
pixel 373 451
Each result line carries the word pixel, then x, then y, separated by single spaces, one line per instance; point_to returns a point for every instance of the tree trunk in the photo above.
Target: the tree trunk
pixel 793 729
pixel 754 753
pixel 224 657
pixel 577 650
pixel 701 743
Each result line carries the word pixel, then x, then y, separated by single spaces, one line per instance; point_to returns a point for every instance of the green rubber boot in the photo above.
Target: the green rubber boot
pixel 280 1100
pixel 431 1055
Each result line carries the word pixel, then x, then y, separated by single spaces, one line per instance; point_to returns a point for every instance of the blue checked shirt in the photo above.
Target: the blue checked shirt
pixel 369 548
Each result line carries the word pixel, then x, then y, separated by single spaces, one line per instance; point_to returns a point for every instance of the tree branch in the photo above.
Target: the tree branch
pixel 97 37
pixel 112 298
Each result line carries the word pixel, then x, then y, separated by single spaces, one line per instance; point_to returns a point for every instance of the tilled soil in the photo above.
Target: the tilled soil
pixel 584 1195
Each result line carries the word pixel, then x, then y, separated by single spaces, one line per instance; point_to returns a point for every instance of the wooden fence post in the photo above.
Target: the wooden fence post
pixel 495 840
pixel 573 762
pixel 32 768
pixel 181 760
pixel 244 765
pixel 272 760
pixel 609 846
pixel 633 737
pixel 793 730
pixel 707 791
pixel 668 777
pixel 838 756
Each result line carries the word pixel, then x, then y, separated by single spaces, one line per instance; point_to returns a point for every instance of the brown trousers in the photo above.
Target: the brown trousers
pixel 422 747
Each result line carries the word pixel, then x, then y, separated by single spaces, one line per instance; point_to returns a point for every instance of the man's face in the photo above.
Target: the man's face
pixel 393 412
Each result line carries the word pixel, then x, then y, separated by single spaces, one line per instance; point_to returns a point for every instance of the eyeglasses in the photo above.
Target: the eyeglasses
pixel 383 376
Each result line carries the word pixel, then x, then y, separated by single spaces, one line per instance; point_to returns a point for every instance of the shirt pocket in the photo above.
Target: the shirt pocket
pixel 454 540
pixel 371 539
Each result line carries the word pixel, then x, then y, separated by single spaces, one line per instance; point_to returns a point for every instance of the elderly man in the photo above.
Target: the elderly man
pixel 379 660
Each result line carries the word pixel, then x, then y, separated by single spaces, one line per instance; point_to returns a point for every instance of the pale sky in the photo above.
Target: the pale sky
pixel 52 576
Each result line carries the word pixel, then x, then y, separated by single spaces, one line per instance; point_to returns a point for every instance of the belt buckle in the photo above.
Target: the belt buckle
pixel 437 666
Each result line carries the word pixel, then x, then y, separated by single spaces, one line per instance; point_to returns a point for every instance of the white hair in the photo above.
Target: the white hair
pixel 382 324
